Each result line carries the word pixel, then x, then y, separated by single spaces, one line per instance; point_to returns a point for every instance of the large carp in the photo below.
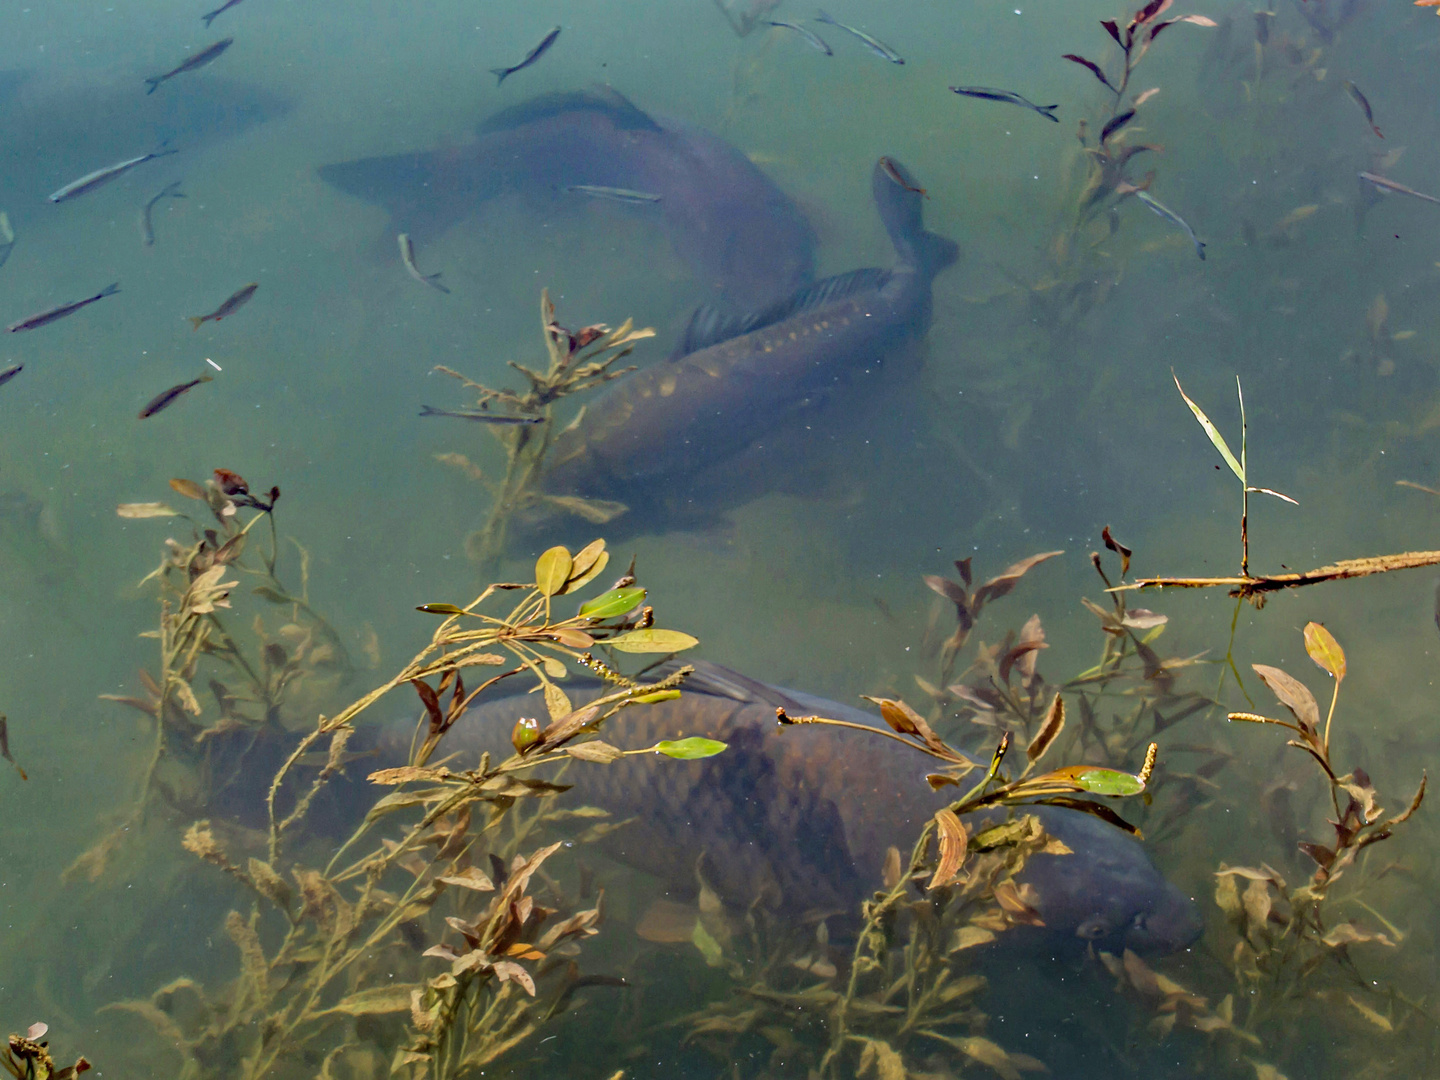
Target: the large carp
pixel 651 440
pixel 748 243
pixel 805 815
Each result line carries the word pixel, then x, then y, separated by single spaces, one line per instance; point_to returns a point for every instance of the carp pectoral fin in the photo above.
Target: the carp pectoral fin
pixel 667 923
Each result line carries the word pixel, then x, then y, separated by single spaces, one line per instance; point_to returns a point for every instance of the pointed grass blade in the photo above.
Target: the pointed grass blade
pixel 1212 431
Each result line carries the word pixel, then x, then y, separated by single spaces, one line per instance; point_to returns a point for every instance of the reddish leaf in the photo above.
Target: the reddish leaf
pixel 1094 68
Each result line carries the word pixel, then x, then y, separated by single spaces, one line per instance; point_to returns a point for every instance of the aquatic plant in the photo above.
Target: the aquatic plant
pixel 27 1057
pixel 327 953
pixel 251 682
pixel 578 362
pixel 1256 587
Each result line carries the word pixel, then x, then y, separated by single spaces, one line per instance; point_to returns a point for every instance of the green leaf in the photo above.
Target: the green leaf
pixel 615 602
pixel 652 641
pixel 552 570
pixel 1324 649
pixel 689 749
pixel 440 609
pixel 658 695
pixel 1212 431
pixel 1107 781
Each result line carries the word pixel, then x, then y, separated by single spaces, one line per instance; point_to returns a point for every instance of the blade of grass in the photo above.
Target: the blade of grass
pixel 1212 431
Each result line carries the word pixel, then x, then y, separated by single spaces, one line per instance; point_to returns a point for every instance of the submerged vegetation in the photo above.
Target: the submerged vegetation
pixel 579 361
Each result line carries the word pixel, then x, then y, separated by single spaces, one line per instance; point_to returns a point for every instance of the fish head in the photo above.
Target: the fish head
pixel 1106 893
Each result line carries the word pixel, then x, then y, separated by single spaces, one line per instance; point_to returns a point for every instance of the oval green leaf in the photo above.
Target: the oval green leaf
pixel 440 609
pixel 1108 782
pixel 689 749
pixel 653 641
pixel 615 602
pixel 1325 650
pixel 586 565
pixel 552 570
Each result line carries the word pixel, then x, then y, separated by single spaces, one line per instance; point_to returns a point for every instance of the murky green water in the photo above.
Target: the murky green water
pixel 1045 410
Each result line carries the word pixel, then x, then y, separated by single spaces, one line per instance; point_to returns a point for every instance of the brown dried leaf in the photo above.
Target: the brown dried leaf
pixel 1002 583
pixel 595 750
pixel 1110 541
pixel 566 727
pixel 557 703
pixel 1049 731
pixel 951 838
pixel 508 969
pixel 470 878
pixel 1293 694
pixel 1348 933
pixel 990 1055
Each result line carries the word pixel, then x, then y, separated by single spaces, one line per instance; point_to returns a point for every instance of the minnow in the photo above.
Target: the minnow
pixel 90 181
pixel 166 398
pixel 1400 189
pixel 484 417
pixel 893 173
pixel 1174 219
pixel 626 195
pixel 407 256
pixel 1009 97
pixel 7 237
pixel 210 16
pixel 1359 99
pixel 10 372
pixel 234 303
pixel 805 32
pixel 875 45
pixel 534 54
pixel 147 229
pixel 44 318
pixel 199 60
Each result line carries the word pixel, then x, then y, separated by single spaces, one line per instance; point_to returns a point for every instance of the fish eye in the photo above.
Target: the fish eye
pixel 1138 923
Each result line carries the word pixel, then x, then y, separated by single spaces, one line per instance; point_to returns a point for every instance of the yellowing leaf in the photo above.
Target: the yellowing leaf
pixel 1325 650
pixel 951 837
pixel 652 641
pixel 552 570
pixel 375 1001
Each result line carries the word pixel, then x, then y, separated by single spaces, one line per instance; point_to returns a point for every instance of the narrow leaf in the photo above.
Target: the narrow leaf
pixel 689 749
pixel 952 840
pixel 1325 650
pixel 653 641
pixel 1210 429
pixel 586 565
pixel 1094 68
pixel 440 609
pixel 145 510
pixel 1049 731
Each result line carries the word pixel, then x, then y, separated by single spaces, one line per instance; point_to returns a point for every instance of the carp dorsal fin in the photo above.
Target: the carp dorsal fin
pixel 717 681
pixel 603 99
pixel 710 325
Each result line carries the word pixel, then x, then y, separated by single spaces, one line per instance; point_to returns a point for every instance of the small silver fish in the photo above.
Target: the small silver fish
pixel 1399 189
pixel 805 32
pixel 1363 104
pixel 483 417
pixel 44 318
pixel 1174 219
pixel 147 229
pixel 233 303
pixel 1008 96
pixel 210 16
pixel 90 181
pixel 407 256
pixel 166 398
pixel 199 60
pixel 875 45
pixel 624 195
pixel 534 54
pixel 10 372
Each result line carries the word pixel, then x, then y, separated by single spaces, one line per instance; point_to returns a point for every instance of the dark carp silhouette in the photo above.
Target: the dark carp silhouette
pixel 659 436
pixel 748 243
pixel 802 817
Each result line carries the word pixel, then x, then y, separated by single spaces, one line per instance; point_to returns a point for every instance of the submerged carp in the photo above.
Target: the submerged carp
pixel 804 816
pixel 734 380
pixel 749 244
